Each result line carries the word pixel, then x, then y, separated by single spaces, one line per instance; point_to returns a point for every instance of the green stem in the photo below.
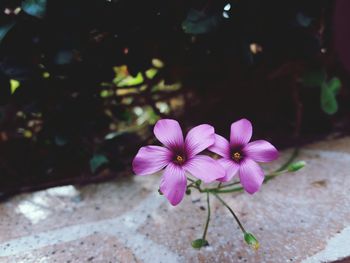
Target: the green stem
pixel 208 218
pixel 268 177
pixel 191 180
pixel 231 211
pixel 228 185
pixel 289 161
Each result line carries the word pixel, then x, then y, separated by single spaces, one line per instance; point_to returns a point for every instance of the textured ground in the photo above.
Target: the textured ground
pixel 300 217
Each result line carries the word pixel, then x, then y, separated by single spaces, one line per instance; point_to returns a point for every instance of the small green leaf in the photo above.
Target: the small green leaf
pixel 150 73
pixel 14 84
pixel 46 75
pixel 157 63
pixel 251 240
pixel 188 191
pixel 293 167
pixel 113 135
pixel 329 91
pixel 97 161
pixel 106 93
pixel 199 243
pixel 198 182
pixel 4 29
pixel 334 85
pixel 131 81
pixel 35 8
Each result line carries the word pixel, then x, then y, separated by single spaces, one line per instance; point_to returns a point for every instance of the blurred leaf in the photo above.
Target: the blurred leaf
pixel 334 85
pixel 157 63
pixel 97 161
pixel 150 73
pixel 106 93
pixel 329 90
pixel 14 84
pixel 35 7
pixel 28 134
pixel 113 135
pixel 199 243
pixel 4 29
pixel 121 73
pixel 46 75
pixel 314 78
pixel 198 22
pixel 131 81
pixel 123 92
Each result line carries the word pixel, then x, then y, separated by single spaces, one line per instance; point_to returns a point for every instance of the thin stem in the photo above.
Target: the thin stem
pixel 289 161
pixel 191 180
pixel 208 218
pixel 231 211
pixel 223 191
pixel 228 185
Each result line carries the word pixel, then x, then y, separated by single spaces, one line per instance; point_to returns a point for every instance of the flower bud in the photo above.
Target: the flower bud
pixel 198 182
pixel 199 243
pixel 251 240
pixel 293 167
pixel 188 191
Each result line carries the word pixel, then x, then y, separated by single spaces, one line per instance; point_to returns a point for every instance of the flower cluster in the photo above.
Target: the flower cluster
pixel 181 156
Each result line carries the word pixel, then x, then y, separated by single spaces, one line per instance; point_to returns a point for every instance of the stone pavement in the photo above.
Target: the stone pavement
pixel 299 217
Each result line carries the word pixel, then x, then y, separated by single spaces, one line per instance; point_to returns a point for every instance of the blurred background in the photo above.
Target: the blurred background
pixel 83 82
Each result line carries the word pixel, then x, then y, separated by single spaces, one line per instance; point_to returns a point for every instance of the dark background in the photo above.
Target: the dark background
pixel 77 100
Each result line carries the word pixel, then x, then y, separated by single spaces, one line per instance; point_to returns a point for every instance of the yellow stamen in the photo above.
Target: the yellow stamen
pixel 236 156
pixel 179 159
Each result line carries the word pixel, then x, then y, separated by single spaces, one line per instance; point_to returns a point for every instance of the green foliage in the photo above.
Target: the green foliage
pixel 198 22
pixel 293 167
pixel 14 84
pixel 251 240
pixel 199 243
pixel 97 161
pixel 35 7
pixel 329 91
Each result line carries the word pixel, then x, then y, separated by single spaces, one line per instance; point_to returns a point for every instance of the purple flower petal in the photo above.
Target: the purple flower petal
pixel 251 175
pixel 221 146
pixel 173 183
pixel 169 133
pixel 198 139
pixel 230 167
pixel 261 151
pixel 241 132
pixel 204 168
pixel 150 159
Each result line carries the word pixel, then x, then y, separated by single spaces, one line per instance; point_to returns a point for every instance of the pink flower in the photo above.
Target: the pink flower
pixel 178 156
pixel 241 156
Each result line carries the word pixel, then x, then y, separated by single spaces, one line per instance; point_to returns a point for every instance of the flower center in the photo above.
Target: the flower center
pixel 236 156
pixel 179 159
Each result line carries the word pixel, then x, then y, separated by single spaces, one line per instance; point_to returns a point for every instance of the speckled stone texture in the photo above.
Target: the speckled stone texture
pixel 297 217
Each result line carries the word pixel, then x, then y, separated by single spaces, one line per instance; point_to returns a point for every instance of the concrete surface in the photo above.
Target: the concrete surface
pixel 301 217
